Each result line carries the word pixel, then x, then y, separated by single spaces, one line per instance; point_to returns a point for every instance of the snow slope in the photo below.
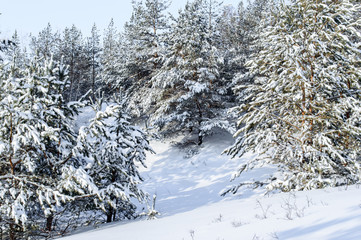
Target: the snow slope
pixel 188 199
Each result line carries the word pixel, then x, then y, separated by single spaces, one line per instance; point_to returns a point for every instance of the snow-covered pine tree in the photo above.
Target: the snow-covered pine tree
pixel 304 109
pixel 71 48
pixel 191 91
pixel 155 25
pixel 239 29
pixel 14 53
pixel 45 45
pixel 93 51
pixel 212 11
pixel 114 148
pixel 4 44
pixel 251 22
pixel 111 59
pixel 230 25
pixel 144 36
pixel 38 168
pixel 213 47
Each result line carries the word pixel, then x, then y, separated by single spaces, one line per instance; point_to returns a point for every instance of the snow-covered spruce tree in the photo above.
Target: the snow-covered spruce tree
pixel 36 143
pixel 304 109
pixel 113 148
pixel 191 91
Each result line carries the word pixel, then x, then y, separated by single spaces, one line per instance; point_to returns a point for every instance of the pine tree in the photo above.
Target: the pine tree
pixel 38 166
pixel 93 51
pixel 4 44
pixel 114 147
pixel 239 30
pixel 111 59
pixel 191 90
pixel 303 109
pixel 72 49
pixel 144 36
pixel 144 33
pixel 45 44
pixel 212 9
pixel 14 53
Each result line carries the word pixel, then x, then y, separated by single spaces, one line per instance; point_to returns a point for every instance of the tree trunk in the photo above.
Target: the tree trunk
pixel 49 222
pixel 200 136
pixel 200 139
pixel 12 232
pixel 114 213
pixel 110 215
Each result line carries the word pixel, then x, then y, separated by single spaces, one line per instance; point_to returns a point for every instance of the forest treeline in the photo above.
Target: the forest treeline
pixel 176 73
pixel 286 75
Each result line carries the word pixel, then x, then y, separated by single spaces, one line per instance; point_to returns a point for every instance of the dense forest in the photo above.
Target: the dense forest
pixel 286 75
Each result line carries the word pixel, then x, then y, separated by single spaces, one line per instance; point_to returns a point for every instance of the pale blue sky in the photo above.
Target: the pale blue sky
pixel 31 16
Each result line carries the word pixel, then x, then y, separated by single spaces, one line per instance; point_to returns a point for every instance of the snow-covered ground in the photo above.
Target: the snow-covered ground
pixel 188 198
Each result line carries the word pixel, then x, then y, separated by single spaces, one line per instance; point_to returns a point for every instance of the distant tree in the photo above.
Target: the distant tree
pixel 235 44
pixel 45 44
pixel 14 53
pixel 239 29
pixel 144 33
pixel 111 59
pixel 93 52
pixel 144 36
pixel 72 49
pixel 4 46
pixel 212 11
pixel 303 110
pixel 191 90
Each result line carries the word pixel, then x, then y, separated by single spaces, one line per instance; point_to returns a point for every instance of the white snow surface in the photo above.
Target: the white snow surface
pixel 188 198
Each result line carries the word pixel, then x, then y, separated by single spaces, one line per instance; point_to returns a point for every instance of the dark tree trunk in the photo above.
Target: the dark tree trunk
pixel 49 223
pixel 12 232
pixel 110 215
pixel 111 212
pixel 200 139
pixel 114 214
